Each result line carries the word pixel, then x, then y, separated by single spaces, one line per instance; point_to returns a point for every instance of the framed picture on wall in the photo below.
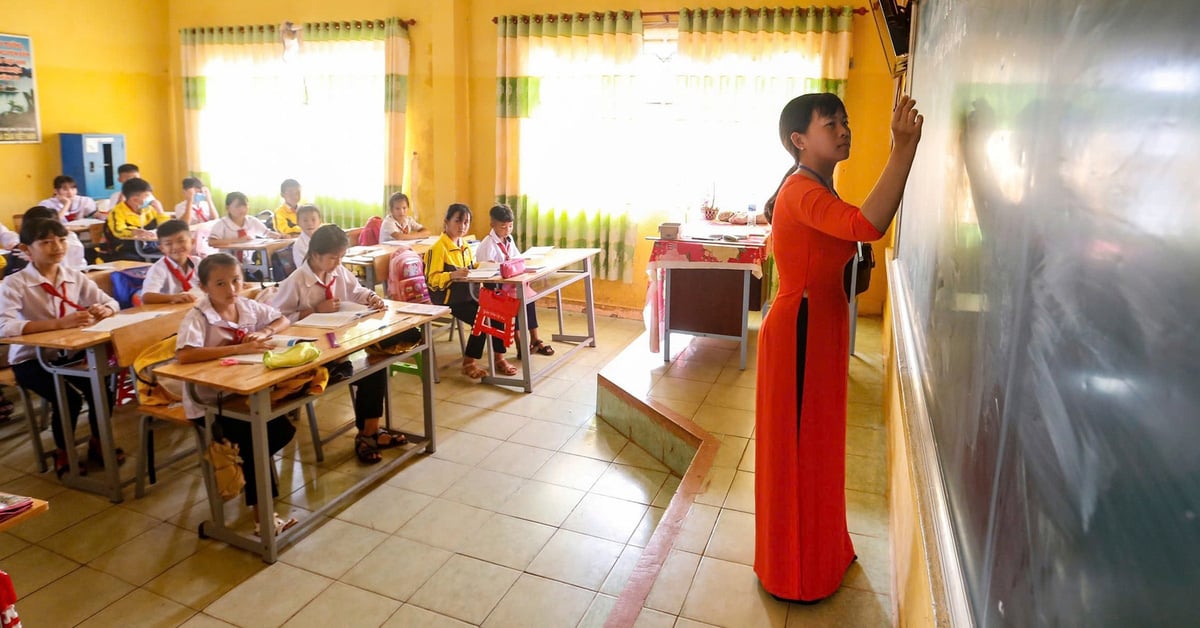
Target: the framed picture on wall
pixel 19 116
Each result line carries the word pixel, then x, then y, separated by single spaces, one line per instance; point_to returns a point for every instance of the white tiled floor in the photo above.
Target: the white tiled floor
pixel 533 512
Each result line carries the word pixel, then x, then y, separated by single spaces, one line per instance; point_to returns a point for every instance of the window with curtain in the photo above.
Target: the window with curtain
pixel 604 121
pixel 322 104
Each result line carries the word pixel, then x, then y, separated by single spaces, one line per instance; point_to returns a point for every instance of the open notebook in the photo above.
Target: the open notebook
pixel 347 313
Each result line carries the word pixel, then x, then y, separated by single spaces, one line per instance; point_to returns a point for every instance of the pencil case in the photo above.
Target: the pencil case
pixel 512 267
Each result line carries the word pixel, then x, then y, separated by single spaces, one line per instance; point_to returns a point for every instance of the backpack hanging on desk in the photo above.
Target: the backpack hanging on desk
pixel 282 264
pixel 127 285
pixel 864 271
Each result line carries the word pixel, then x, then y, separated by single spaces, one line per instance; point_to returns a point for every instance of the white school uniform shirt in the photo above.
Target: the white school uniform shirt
pixel 494 249
pixel 300 249
pixel 161 280
pixel 390 226
pixel 81 207
pixel 9 239
pixel 226 229
pixel 303 290
pixel 201 212
pixel 203 327
pixel 22 299
pixel 76 254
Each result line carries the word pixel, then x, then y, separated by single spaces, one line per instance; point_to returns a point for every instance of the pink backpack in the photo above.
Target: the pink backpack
pixel 369 236
pixel 406 277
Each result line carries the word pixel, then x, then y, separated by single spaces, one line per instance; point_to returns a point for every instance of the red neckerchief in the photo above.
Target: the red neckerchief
pixel 63 300
pixel 328 287
pixel 199 214
pixel 70 215
pixel 185 281
pixel 504 244
pixel 239 334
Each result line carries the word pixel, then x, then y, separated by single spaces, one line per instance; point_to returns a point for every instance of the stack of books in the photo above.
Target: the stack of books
pixel 13 505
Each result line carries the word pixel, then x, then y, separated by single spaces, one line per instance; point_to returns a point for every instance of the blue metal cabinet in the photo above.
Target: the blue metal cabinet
pixel 92 160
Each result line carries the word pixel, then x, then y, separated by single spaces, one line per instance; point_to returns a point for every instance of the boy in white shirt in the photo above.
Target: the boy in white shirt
pixel 309 218
pixel 46 295
pixel 67 202
pixel 400 224
pixel 223 324
pixel 172 279
pixel 195 208
pixel 320 284
pixel 498 246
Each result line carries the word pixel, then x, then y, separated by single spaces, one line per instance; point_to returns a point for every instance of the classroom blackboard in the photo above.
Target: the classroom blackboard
pixel 1050 243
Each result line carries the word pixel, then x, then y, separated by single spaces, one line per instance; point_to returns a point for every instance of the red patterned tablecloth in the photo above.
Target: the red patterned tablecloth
pixel 665 254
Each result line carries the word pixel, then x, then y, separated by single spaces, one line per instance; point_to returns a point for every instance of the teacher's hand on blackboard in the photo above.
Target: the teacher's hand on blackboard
pixel 906 124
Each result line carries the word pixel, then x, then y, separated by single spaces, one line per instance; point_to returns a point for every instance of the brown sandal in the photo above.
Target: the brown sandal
pixel 472 370
pixel 504 368
pixel 540 348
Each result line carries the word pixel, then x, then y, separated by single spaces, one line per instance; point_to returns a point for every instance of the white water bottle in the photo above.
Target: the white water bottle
pixel 752 215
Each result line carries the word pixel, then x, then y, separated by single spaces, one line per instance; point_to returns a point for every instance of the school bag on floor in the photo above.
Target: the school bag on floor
pixel 369 236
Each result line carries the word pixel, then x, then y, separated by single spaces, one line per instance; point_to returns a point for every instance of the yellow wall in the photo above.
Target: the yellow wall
pixel 97 70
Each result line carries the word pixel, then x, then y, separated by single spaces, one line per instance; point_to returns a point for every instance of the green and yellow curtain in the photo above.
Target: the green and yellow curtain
pixel 567 84
pixel 328 111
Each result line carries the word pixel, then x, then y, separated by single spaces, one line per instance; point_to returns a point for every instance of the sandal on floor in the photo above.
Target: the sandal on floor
pixel 473 371
pixel 366 449
pixel 395 439
pixel 504 368
pixel 540 348
pixel 280 524
pixel 97 458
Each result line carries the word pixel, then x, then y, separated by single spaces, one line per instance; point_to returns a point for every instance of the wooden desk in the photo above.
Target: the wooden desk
pixel 555 278
pixel 103 277
pixel 96 369
pixel 255 381
pixel 265 248
pixel 374 271
pixel 38 507
pixel 708 267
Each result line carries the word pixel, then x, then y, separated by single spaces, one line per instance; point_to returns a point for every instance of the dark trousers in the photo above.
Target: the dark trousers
pixel 279 433
pixel 31 376
pixel 368 397
pixel 465 311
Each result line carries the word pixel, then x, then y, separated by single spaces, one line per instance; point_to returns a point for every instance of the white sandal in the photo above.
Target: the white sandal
pixel 280 524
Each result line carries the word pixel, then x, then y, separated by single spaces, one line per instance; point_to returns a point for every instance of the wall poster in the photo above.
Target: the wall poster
pixel 19 122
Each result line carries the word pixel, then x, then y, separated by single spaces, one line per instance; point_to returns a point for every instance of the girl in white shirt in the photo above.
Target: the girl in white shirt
pixel 320 284
pixel 224 324
pixel 47 295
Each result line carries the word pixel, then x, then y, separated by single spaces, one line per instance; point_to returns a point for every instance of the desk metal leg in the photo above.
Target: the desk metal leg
pixel 98 359
pixel 64 421
pixel 589 300
pixel 261 413
pixel 523 340
pixel 745 315
pixel 559 308
pixel 666 315
pixel 428 372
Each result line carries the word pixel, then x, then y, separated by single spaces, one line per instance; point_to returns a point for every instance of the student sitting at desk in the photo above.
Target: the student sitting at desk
pixel 67 201
pixel 320 284
pixel 238 226
pixel 47 295
pixel 449 259
pixel 498 246
pixel 195 208
pixel 286 221
pixel 126 172
pixel 224 324
pixel 309 219
pixel 76 253
pixel 400 224
pixel 131 220
pixel 172 279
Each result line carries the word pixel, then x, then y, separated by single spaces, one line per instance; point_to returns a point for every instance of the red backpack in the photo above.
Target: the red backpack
pixel 406 277
pixel 369 236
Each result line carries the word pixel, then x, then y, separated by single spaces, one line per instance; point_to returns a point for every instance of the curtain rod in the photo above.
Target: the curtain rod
pixel 335 23
pixel 720 12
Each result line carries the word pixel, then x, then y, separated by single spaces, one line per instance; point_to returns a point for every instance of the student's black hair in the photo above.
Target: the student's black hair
pixel 192 182
pixel 501 213
pixel 796 116
pixel 135 186
pixel 327 239
pixel 456 209
pixel 307 209
pixel 170 228
pixel 127 168
pixel 289 183
pixel 39 213
pixel 214 261
pixel 62 180
pixel 39 228
pixel 236 197
pixel 396 198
